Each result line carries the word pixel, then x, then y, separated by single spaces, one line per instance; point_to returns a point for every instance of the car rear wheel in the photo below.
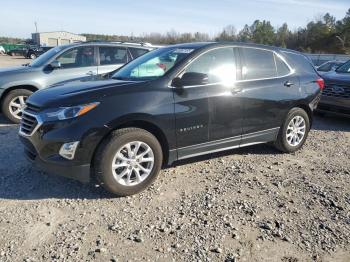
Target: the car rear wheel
pixel 32 56
pixel 294 131
pixel 14 103
pixel 128 161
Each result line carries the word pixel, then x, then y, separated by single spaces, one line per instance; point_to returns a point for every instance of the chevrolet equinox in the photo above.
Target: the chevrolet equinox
pixel 172 103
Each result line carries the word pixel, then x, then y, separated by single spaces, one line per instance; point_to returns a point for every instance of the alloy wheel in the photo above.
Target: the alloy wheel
pixel 16 106
pixel 296 131
pixel 133 163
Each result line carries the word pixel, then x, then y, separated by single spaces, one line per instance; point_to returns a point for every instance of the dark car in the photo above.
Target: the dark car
pixel 335 97
pixel 329 66
pixel 34 52
pixel 20 51
pixel 173 103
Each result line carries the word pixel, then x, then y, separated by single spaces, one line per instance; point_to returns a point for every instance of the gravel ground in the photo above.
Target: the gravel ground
pixel 251 204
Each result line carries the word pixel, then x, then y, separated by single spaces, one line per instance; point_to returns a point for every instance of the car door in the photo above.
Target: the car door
pixel 208 116
pixel 111 58
pixel 75 64
pixel 269 89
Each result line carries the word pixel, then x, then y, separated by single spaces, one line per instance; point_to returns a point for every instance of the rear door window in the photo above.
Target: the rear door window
pixel 257 64
pixel 136 52
pixel 110 55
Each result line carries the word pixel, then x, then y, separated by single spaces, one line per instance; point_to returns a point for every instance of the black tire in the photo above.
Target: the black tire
pixel 109 147
pixel 281 143
pixel 6 102
pixel 32 56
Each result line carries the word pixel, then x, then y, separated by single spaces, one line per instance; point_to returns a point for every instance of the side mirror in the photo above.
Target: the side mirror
pixel 190 79
pixel 55 64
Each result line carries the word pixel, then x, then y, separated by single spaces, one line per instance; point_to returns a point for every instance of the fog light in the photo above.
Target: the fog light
pixel 68 150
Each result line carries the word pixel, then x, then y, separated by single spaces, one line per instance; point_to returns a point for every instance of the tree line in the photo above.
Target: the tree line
pixel 323 35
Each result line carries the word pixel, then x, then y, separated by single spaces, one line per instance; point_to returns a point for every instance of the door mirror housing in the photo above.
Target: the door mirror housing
pixel 190 79
pixel 55 64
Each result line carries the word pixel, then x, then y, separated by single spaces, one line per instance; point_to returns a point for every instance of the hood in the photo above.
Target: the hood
pixel 335 77
pixel 15 69
pixel 78 92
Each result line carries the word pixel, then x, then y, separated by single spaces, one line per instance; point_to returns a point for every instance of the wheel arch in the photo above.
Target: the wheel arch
pixel 308 110
pixel 9 89
pixel 147 125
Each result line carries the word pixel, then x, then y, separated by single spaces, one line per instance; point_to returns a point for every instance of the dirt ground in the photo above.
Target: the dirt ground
pixel 250 204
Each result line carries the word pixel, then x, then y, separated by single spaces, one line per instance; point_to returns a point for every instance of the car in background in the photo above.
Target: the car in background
pixel 170 104
pixel 69 62
pixel 20 51
pixel 329 66
pixel 335 97
pixel 35 52
pixel 2 50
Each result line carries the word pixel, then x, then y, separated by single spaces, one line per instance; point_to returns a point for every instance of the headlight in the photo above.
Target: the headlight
pixel 63 113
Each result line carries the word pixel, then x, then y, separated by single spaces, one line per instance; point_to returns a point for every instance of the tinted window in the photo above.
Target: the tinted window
pixel 344 68
pixel 218 64
pixel 153 64
pixel 136 52
pixel 301 62
pixel 258 64
pixel 282 68
pixel 110 55
pixel 78 57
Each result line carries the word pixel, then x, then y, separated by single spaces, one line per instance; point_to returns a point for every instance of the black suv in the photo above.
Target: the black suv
pixel 173 103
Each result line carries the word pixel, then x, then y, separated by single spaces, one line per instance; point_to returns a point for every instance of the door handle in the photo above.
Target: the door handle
pixel 288 84
pixel 236 90
pixel 90 73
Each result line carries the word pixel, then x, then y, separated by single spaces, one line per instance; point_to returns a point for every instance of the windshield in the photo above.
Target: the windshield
pixel 41 60
pixel 344 68
pixel 152 65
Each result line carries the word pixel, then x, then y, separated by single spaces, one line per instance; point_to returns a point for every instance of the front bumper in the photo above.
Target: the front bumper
pixel 56 165
pixel 42 147
pixel 334 105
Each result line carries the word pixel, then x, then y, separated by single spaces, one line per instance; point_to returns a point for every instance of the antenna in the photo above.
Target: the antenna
pixel 36 27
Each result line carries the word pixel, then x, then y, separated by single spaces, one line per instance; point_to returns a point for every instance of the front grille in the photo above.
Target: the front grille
pixel 29 124
pixel 336 90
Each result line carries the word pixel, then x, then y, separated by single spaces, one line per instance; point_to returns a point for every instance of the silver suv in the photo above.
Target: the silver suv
pixel 62 63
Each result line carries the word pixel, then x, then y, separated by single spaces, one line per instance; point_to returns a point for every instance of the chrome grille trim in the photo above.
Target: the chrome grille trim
pixel 30 123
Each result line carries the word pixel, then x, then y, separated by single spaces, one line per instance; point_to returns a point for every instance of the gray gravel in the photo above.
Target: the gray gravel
pixel 250 204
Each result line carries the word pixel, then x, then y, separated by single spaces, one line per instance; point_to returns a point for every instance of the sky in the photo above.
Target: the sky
pixel 126 17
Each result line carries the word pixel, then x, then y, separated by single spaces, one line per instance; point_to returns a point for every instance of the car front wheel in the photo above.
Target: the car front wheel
pixel 128 161
pixel 294 131
pixel 14 103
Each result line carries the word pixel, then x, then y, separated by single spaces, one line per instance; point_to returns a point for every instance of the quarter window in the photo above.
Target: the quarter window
pixel 258 64
pixel 110 55
pixel 218 64
pixel 282 68
pixel 78 57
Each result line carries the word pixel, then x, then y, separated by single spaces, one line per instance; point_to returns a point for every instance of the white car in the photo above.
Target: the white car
pixel 2 50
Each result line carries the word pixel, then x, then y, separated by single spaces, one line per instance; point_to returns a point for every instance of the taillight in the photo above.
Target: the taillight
pixel 320 83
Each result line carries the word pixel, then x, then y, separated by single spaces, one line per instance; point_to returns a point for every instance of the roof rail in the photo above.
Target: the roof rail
pixel 118 42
